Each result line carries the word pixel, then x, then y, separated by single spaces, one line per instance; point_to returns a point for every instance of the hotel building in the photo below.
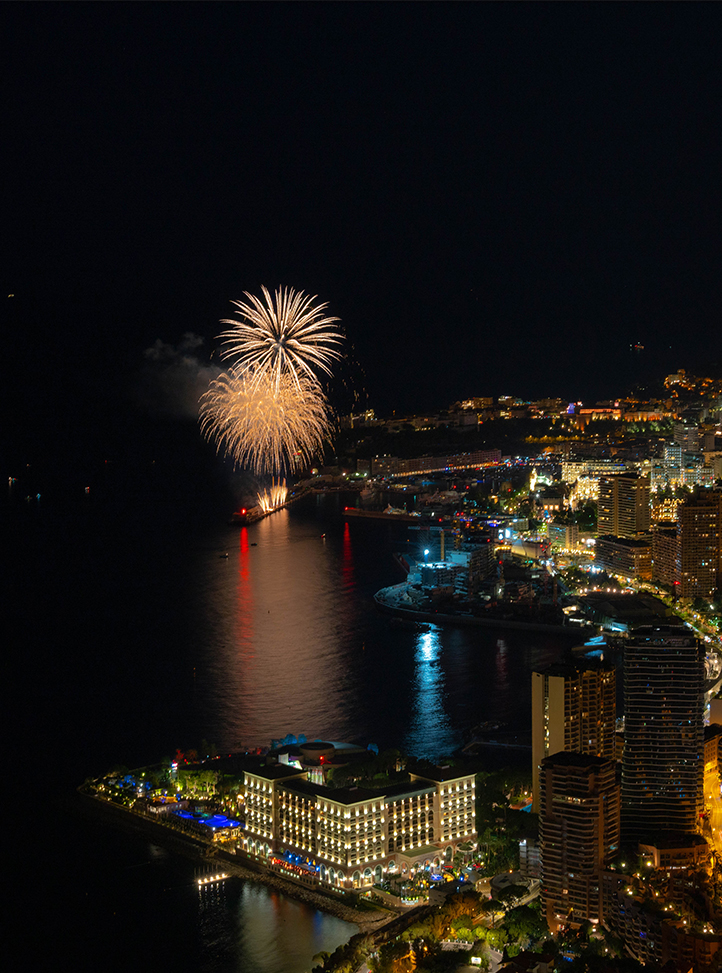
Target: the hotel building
pixel 351 837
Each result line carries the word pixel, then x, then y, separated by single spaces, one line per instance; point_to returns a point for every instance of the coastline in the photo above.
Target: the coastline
pixel 246 869
pixel 440 618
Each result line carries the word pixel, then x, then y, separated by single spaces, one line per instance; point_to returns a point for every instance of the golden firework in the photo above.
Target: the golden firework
pixel 285 334
pixel 269 423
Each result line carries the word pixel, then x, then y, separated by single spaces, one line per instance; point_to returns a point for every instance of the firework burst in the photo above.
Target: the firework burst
pixel 268 423
pixel 286 334
pixel 273 498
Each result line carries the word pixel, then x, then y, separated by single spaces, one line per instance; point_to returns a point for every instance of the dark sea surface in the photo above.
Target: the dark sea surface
pixel 131 634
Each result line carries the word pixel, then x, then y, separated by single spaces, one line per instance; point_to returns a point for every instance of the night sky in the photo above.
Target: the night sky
pixel 495 199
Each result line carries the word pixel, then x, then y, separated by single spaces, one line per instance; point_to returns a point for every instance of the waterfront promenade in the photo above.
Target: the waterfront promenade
pixel 236 864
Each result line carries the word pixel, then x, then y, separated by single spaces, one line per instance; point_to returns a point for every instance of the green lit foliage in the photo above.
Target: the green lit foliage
pixel 397 956
pixel 198 783
pixel 525 925
pixel 346 958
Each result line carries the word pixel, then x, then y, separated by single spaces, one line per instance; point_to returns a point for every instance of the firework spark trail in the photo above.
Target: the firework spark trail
pixel 269 424
pixel 287 335
pixel 271 499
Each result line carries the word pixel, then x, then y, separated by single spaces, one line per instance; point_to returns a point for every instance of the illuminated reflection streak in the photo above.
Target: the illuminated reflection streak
pixel 279 667
pixel 244 617
pixel 347 557
pixel 502 666
pixel 430 735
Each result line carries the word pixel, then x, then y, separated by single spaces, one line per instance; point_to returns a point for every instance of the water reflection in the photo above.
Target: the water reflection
pixel 286 639
pixel 431 734
pixel 277 664
pixel 278 935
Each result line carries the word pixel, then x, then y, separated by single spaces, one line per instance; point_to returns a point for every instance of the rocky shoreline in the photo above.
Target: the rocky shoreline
pixel 246 869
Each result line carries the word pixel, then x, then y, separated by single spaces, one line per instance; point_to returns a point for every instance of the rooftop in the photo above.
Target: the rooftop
pixel 275 772
pixel 568 758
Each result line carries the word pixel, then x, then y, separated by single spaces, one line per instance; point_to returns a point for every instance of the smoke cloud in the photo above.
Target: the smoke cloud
pixel 174 376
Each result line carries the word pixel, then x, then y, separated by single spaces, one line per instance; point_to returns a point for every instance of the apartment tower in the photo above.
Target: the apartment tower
pixel 699 555
pixel 689 555
pixel 663 762
pixel 573 709
pixel 579 834
pixel 623 505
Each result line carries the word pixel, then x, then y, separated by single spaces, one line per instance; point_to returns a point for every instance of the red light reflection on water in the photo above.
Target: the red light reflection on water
pixel 280 635
pixel 347 556
pixel 245 597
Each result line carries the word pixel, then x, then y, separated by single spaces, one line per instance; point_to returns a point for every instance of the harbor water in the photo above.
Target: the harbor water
pixel 142 623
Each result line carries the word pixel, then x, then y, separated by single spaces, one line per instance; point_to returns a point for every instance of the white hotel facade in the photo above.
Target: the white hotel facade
pixel 353 837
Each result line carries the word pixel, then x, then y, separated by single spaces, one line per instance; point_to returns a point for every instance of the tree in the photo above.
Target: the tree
pixel 525 925
pixel 396 956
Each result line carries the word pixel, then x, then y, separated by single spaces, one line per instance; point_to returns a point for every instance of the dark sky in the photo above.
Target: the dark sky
pixel 495 199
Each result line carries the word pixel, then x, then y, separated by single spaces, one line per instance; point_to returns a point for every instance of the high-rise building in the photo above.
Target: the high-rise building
pixel 623 505
pixel 579 834
pixel 663 762
pixel 573 708
pixel 664 554
pixel 689 555
pixel 700 548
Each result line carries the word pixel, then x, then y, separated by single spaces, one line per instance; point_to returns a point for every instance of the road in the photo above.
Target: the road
pixel 713 805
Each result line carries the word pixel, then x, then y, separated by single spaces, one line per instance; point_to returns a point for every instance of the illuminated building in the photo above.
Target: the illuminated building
pixel 260 802
pixel 689 555
pixel 564 536
pixel 679 468
pixel 572 470
pixel 653 935
pixel 351 837
pixel 623 505
pixel 585 488
pixel 665 509
pixel 700 551
pixel 712 746
pixel 663 762
pixel 573 709
pixel 579 834
pixel 675 852
pixel 664 555
pixel 628 556
pixel 686 436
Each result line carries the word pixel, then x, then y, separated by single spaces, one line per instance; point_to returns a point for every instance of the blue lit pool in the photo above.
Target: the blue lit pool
pixel 212 821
